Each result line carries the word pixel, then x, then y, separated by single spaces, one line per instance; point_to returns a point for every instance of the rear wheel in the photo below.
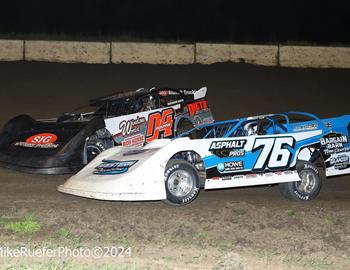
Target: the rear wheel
pixel 183 126
pixel 181 182
pixel 100 141
pixel 309 186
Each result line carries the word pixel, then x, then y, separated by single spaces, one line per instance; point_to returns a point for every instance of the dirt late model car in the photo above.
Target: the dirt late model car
pixel 66 144
pixel 295 150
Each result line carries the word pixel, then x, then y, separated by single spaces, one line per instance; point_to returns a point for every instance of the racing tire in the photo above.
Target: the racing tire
pixel 309 186
pixel 97 143
pixel 182 183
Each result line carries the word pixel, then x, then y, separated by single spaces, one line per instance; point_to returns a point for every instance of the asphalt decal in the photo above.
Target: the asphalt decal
pixel 228 148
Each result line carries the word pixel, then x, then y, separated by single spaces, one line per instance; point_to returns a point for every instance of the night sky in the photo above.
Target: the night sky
pixel 218 20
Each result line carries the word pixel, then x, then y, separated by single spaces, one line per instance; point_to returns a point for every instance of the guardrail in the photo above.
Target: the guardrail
pixel 165 53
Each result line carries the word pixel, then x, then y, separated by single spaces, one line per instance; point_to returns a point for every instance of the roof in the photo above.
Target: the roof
pixel 119 95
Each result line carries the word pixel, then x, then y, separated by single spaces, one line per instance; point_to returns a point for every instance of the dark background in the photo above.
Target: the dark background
pixel 245 21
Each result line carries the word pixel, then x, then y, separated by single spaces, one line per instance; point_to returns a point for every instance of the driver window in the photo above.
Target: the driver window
pixel 148 103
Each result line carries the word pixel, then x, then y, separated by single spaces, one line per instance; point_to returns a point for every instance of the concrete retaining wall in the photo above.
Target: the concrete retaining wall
pixel 315 57
pixel 67 51
pixel 164 53
pixel 152 53
pixel 11 50
pixel 255 54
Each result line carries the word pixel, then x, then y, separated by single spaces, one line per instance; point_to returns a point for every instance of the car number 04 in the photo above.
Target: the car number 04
pixel 275 152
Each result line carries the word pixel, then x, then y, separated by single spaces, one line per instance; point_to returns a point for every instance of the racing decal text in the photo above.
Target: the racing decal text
pixel 334 143
pixel 131 127
pixel 42 140
pixel 228 148
pixel 160 122
pixel 340 162
pixel 230 166
pixel 193 108
pixel 113 167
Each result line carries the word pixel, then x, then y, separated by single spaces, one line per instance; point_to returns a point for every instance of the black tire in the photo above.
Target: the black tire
pixel 183 126
pixel 100 141
pixel 181 196
pixel 304 190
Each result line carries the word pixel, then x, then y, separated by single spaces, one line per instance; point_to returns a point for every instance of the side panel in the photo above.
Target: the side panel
pixel 253 160
pixel 335 146
pixel 135 129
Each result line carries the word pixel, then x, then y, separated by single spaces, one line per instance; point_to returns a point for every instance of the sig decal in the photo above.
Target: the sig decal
pixel 340 162
pixel 228 148
pixel 160 125
pixel 334 143
pixel 230 166
pixel 42 140
pixel 195 107
pixel 109 167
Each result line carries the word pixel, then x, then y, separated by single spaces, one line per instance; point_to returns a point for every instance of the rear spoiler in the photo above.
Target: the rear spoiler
pixel 194 93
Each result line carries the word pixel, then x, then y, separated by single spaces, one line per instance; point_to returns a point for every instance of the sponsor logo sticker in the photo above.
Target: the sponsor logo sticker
pixel 42 140
pixel 334 143
pixel 230 166
pixel 228 148
pixel 195 107
pixel 108 167
pixel 340 162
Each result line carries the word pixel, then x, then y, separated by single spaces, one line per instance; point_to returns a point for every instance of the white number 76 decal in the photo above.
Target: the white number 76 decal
pixel 274 153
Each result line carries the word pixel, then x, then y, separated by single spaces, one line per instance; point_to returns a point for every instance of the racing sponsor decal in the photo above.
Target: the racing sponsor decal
pixel 306 127
pixel 42 140
pixel 160 124
pixel 195 107
pixel 108 167
pixel 334 143
pixel 175 102
pixel 228 148
pixel 230 166
pixel 340 162
pixel 134 141
pixel 131 126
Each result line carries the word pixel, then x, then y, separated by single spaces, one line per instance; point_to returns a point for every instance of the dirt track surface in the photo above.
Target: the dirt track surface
pixel 250 228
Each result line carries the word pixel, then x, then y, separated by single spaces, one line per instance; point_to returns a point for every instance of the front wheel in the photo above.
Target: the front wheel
pixel 97 143
pixel 181 182
pixel 309 186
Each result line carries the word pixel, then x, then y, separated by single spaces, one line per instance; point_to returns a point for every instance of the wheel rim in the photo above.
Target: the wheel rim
pixel 180 183
pixel 307 183
pixel 92 152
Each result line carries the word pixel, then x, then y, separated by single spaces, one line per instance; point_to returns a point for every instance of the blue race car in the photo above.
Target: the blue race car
pixel 294 150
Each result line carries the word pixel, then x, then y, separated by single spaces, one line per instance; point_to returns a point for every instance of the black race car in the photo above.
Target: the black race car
pixel 131 119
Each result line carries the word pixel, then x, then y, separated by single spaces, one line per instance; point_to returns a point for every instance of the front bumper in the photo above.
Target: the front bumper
pixel 43 170
pixel 39 164
pixel 109 196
